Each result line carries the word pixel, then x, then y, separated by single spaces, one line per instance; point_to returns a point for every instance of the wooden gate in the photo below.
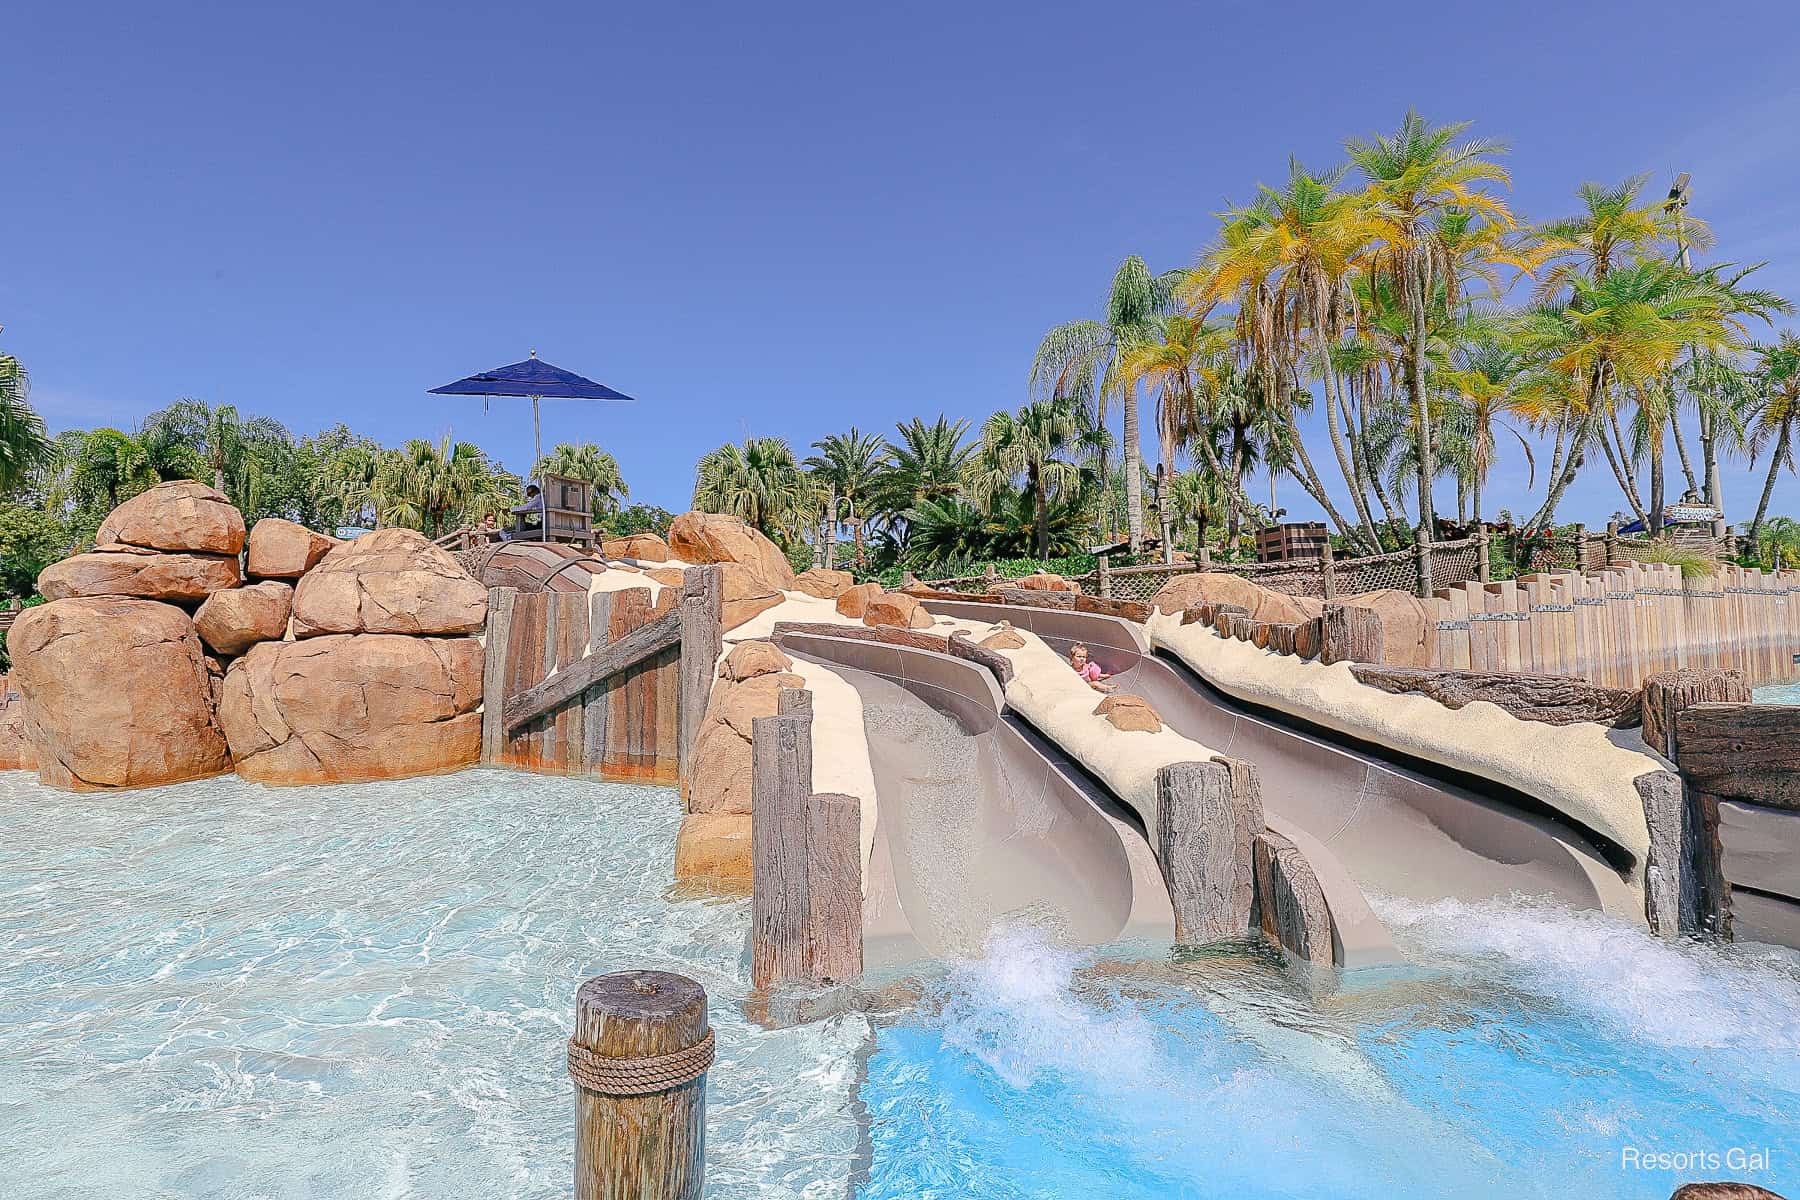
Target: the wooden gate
pixel 581 684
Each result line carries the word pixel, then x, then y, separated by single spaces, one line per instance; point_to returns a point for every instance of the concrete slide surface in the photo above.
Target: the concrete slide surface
pixel 980 822
pixel 1397 830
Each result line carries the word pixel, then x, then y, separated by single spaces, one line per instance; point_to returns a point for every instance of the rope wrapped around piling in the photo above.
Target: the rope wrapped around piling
pixel 639 1076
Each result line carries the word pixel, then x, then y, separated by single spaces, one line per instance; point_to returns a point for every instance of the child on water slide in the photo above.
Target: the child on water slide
pixel 1090 671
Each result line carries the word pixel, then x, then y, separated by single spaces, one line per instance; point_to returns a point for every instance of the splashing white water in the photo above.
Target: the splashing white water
pixel 1670 994
pixel 1015 1009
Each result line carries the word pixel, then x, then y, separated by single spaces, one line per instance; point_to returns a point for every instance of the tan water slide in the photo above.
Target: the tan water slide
pixel 980 821
pixel 1407 830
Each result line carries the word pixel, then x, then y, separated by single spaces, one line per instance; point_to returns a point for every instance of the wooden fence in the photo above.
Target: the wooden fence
pixel 1617 626
pixel 609 684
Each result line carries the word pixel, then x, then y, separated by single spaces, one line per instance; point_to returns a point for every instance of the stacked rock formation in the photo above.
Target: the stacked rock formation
pixel 714 842
pixel 1404 620
pixel 382 680
pixel 117 688
pixel 153 663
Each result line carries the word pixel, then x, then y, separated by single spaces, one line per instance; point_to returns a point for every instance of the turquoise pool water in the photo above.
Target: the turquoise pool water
pixel 1535 1053
pixel 221 990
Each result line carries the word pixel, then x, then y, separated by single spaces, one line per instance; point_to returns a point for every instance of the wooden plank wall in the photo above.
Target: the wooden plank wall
pixel 627 728
pixel 1618 625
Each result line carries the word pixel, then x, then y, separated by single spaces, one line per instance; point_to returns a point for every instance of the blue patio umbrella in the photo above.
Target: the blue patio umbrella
pixel 536 379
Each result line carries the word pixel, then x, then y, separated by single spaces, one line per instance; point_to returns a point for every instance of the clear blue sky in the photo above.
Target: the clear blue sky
pixel 759 219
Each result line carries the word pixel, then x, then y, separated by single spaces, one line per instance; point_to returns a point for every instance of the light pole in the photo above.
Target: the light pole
pixel 1680 193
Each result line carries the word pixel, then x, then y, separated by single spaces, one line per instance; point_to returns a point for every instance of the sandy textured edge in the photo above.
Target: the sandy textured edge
pixel 1577 769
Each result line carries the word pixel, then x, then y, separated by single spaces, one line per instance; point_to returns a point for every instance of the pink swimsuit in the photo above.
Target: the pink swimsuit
pixel 1091 672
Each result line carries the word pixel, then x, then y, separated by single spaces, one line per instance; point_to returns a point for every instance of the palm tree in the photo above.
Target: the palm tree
pixel 1079 360
pixel 593 466
pixel 424 483
pixel 24 442
pixel 847 467
pixel 1613 340
pixel 1287 258
pixel 1181 366
pixel 1414 177
pixel 1778 382
pixel 759 482
pixel 1486 376
pixel 215 433
pixel 1778 545
pixel 1047 443
pixel 925 462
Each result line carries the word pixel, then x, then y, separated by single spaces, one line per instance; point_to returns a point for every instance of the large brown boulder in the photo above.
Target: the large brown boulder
pixel 348 708
pixel 744 593
pixel 178 515
pixel 645 547
pixel 826 585
pixel 120 570
pixel 712 852
pixel 747 660
pixel 855 602
pixel 1219 587
pixel 234 620
pixel 116 694
pixel 1405 625
pixel 898 610
pixel 1044 581
pixel 284 550
pixel 719 776
pixel 389 581
pixel 698 537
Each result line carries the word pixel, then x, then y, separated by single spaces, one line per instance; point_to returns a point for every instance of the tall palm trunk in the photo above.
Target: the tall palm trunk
pixel 1332 424
pixel 1762 505
pixel 1657 485
pixel 1041 517
pixel 1681 452
pixel 1134 473
pixel 1415 378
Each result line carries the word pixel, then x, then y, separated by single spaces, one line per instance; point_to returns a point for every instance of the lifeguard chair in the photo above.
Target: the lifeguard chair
pixel 564 510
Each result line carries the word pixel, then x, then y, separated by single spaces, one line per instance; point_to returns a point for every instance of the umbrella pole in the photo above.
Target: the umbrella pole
pixel 537 441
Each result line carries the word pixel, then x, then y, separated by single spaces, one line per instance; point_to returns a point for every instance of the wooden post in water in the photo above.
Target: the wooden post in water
pixel 702 637
pixel 1207 817
pixel 806 859
pixel 638 1058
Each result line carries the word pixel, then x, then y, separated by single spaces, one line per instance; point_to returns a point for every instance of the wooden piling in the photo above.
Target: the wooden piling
pixel 1667 693
pixel 1327 573
pixel 638 1058
pixel 1207 816
pixel 702 638
pixel 1350 633
pixel 806 859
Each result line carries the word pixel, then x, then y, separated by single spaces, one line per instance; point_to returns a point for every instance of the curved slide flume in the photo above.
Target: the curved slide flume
pixel 978 821
pixel 1395 830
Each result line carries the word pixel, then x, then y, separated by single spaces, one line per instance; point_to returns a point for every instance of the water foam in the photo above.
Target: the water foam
pixel 1680 994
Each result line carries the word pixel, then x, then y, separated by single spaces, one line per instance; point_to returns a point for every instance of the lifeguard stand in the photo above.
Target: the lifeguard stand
pixel 567 510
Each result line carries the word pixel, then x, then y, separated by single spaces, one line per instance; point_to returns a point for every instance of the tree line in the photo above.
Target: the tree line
pixel 1397 295
pixel 55 490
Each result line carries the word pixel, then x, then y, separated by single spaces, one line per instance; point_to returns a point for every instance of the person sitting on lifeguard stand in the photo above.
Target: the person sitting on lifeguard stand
pixel 528 518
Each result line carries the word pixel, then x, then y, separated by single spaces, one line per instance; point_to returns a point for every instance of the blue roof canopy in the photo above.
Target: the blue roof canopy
pixel 533 377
